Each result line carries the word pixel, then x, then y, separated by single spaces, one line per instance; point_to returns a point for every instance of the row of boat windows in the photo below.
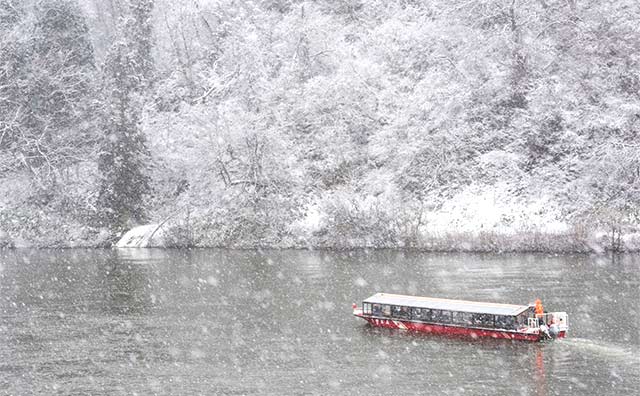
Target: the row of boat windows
pixel 444 316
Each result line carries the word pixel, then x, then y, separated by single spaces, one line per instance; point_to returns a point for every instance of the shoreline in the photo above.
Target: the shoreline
pixel 487 243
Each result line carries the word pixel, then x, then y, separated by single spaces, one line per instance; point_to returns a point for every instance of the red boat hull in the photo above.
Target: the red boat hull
pixel 453 330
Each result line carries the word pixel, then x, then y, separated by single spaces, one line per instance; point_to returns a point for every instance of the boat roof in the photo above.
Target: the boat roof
pixel 446 304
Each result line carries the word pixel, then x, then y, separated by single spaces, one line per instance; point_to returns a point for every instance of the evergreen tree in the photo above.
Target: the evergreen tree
pixel 138 28
pixel 123 159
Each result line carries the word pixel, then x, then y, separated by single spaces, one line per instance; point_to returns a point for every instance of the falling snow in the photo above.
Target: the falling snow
pixel 232 176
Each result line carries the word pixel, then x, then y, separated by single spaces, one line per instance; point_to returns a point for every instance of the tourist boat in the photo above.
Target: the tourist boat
pixel 462 318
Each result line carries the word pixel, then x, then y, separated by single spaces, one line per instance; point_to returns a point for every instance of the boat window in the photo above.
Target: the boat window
pixel 457 318
pixel 463 318
pixel 484 320
pixel 400 312
pixel 521 320
pixel 366 308
pixel 422 314
pixel 441 316
pixel 386 310
pixel 505 322
pixel 376 309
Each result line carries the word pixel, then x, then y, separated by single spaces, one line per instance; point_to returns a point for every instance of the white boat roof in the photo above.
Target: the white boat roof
pixel 446 304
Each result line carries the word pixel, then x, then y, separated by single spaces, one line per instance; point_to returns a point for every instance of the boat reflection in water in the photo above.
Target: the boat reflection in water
pixel 541 378
pixel 463 318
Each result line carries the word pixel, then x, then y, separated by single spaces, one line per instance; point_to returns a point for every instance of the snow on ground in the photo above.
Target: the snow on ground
pixel 141 236
pixel 494 208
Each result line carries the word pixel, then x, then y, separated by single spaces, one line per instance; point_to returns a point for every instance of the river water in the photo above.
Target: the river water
pixel 218 322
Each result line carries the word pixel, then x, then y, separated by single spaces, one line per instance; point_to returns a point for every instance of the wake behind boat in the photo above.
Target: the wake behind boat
pixel 465 318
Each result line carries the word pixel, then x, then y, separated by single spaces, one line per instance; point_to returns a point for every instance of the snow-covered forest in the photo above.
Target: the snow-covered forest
pixel 490 125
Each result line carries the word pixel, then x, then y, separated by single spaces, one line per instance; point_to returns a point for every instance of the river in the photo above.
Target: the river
pixel 218 322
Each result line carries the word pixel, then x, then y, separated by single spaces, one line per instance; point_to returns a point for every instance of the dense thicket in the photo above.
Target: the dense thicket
pixel 480 124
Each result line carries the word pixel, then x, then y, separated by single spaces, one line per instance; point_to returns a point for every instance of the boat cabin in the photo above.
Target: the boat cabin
pixel 447 312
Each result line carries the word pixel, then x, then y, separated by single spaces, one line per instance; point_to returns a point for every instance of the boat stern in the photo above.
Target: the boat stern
pixel 558 324
pixel 550 325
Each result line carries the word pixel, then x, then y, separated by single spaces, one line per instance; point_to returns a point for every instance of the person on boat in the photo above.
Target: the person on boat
pixel 539 312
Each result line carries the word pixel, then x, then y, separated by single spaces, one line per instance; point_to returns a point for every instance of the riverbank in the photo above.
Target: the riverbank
pixel 488 222
pixel 177 236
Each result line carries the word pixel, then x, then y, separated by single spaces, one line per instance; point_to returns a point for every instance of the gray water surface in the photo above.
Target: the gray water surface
pixel 209 322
